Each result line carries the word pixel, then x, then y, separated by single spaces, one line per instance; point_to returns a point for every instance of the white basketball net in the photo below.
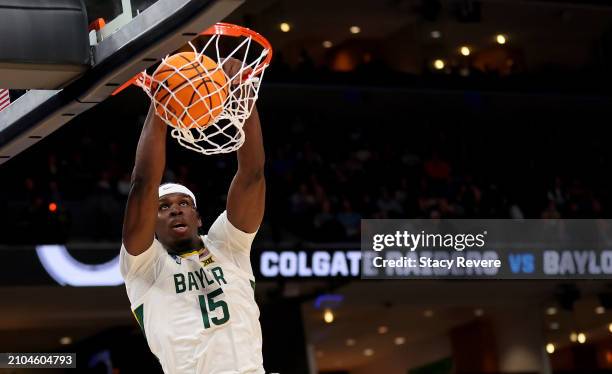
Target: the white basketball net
pixel 225 132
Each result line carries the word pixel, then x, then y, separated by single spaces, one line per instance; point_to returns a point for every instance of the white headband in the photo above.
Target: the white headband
pixel 168 188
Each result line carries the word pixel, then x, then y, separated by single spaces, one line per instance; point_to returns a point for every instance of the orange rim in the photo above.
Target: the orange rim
pixel 229 29
pixel 222 28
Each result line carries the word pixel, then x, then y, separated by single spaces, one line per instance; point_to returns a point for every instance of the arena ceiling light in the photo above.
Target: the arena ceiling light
pixel 355 29
pixel 435 34
pixel 465 51
pixel 285 27
pixel 68 271
pixel 439 64
pixel 327 44
pixel 501 39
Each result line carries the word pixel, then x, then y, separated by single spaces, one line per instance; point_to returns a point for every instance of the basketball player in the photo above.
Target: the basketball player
pixel 193 295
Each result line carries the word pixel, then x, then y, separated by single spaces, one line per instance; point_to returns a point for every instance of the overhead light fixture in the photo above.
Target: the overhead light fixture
pixel 435 34
pixel 355 29
pixel 582 338
pixel 610 327
pixel 368 352
pixel 399 340
pixel 573 337
pixel 478 312
pixel 383 329
pixel 429 313
pixel 328 316
pixel 551 311
pixel 550 348
pixel 65 340
pixel 285 27
pixel 327 44
pixel 465 51
pixel 350 342
pixel 554 325
pixel 600 310
pixel 501 39
pixel 439 65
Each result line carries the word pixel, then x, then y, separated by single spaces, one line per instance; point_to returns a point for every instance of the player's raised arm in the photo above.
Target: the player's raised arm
pixel 142 204
pixel 247 193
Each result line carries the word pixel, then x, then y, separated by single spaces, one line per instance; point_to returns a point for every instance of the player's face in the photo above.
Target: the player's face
pixel 177 220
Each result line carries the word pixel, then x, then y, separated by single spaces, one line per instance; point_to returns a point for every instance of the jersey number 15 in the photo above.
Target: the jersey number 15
pixel 208 304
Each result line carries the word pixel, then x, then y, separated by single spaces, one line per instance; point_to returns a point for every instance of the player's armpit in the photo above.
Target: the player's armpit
pixel 142 263
pixel 226 236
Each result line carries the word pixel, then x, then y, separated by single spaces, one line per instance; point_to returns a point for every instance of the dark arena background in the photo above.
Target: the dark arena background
pixel 493 109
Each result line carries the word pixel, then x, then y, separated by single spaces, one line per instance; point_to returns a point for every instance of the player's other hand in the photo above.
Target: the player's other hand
pixel 231 67
pixel 235 71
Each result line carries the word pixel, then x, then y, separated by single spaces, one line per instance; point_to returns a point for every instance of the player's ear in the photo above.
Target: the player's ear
pixel 200 225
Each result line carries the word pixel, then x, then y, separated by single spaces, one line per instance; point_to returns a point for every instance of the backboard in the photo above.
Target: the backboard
pixel 134 36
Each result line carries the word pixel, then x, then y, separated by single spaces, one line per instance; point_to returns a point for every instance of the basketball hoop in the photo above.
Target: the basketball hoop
pixel 224 132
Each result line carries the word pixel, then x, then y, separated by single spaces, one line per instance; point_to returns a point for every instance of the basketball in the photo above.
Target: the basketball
pixel 189 93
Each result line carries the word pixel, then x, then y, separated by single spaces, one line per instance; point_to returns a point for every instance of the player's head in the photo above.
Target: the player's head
pixel 178 220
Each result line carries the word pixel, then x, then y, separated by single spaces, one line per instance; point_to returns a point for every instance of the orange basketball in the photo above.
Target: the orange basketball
pixel 189 91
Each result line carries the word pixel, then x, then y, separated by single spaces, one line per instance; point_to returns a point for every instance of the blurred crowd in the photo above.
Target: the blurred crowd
pixel 326 188
pixel 329 165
